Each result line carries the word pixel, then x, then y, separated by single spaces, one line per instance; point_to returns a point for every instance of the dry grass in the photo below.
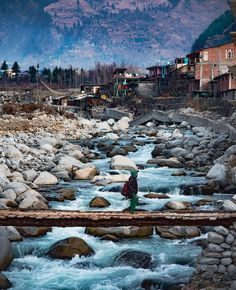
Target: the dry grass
pixel 196 104
pixel 16 109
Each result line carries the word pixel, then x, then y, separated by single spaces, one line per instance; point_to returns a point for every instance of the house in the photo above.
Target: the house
pixel 224 86
pixel 125 83
pixel 209 63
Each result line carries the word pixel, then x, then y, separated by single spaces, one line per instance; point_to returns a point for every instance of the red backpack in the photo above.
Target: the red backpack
pixel 125 190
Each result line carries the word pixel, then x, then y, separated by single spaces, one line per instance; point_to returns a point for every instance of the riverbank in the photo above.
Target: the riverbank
pixel 39 155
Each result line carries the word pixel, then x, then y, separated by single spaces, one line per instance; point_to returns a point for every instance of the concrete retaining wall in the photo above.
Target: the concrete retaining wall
pixel 197 121
pixel 116 114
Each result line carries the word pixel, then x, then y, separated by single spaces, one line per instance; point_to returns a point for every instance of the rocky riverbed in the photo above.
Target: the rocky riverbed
pixel 43 163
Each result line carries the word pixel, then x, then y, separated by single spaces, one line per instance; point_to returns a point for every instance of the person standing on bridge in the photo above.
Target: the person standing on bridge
pixel 133 190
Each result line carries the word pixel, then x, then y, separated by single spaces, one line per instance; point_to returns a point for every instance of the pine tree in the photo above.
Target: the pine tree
pixel 4 66
pixel 32 72
pixel 16 69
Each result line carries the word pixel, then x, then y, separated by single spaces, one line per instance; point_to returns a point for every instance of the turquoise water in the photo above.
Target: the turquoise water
pixel 171 260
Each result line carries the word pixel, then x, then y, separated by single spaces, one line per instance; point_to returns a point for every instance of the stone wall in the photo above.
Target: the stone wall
pixel 216 266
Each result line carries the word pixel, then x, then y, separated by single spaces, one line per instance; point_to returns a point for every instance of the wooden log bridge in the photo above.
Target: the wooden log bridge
pixel 59 218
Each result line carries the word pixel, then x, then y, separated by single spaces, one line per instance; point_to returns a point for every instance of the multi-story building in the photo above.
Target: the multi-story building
pixel 210 63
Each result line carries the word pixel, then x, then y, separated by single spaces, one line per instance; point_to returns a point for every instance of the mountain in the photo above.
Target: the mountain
pixel 82 32
pixel 217 33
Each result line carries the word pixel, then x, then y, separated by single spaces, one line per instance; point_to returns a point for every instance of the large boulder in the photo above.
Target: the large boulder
pixel 18 187
pixel 175 205
pixel 10 233
pixel 228 205
pixel 47 148
pixel 103 127
pixel 3 180
pixel 177 134
pixel 6 253
pixel 68 248
pixel 5 170
pixel 120 232
pixel 4 282
pixel 99 201
pixel 178 232
pixel 8 203
pixel 85 173
pixel 52 141
pixel 9 194
pixel 122 124
pixel 13 152
pixel 30 193
pixel 218 172
pixel 111 136
pixel 32 202
pixel 171 162
pixel 110 178
pixel 30 175
pixel 46 178
pixel 68 163
pixel 135 259
pixel 178 152
pixel 120 162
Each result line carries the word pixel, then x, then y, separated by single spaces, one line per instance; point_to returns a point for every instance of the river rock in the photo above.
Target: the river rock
pixel 109 237
pixel 68 248
pixel 18 187
pixel 218 172
pixel 122 124
pixel 171 162
pixel 30 193
pixel 226 261
pixel 156 195
pixel 85 173
pixel 5 170
pixel 117 151
pixel 6 253
pixel 136 259
pixel 67 193
pixel 46 178
pixel 210 261
pixel 99 201
pixel 120 162
pixel 111 136
pixel 130 148
pixel 10 233
pixel 221 230
pixel 215 248
pixel 229 239
pixel 9 194
pixel 215 238
pixel 178 232
pixel 177 134
pixel 3 180
pixel 30 175
pixel 120 232
pixel 228 205
pixel 32 202
pixel 68 163
pixel 33 231
pixel 111 178
pixel 13 152
pixel 4 282
pixel 176 205
pixel 47 148
pixel 8 203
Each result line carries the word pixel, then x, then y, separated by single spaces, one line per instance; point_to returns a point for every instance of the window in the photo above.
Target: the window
pixel 205 56
pixel 229 54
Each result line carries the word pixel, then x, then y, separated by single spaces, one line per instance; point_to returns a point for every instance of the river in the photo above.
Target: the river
pixel 172 260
